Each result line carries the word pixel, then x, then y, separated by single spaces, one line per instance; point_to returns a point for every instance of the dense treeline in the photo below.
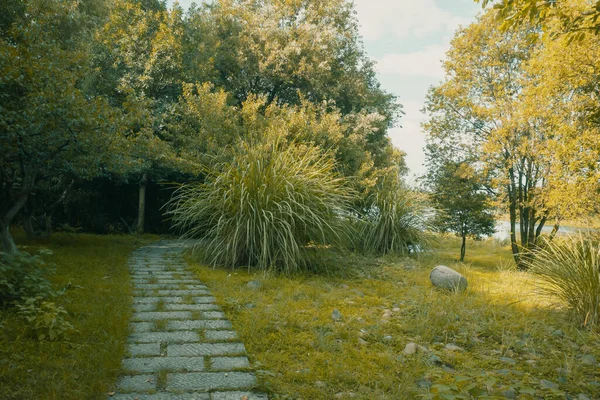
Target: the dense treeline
pixel 101 102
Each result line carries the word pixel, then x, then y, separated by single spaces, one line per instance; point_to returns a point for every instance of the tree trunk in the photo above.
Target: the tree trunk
pixel 28 226
pixel 8 244
pixel 463 248
pixel 142 205
pixel 47 225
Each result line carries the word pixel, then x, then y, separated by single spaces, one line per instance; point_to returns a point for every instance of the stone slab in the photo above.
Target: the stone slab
pixel 204 381
pixel 229 363
pixel 155 364
pixel 220 335
pixel 191 307
pixel 205 349
pixel 155 299
pixel 140 307
pixel 213 315
pixel 169 337
pixel 138 327
pixel 160 315
pixel 137 383
pixel 162 396
pixel 237 396
pixel 144 349
pixel 171 292
pixel 199 324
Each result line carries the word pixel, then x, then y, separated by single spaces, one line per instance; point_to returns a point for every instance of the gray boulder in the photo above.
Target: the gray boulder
pixel 447 278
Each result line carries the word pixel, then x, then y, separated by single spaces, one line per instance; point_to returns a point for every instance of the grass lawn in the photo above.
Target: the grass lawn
pixel 497 339
pixel 86 364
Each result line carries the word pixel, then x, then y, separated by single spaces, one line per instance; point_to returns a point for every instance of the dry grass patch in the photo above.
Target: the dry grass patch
pixel 301 351
pixel 84 365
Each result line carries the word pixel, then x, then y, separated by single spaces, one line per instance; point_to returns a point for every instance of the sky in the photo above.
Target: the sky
pixel 408 39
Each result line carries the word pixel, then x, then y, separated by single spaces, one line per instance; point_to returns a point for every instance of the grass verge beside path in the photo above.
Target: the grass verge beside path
pixel 84 365
pixel 496 339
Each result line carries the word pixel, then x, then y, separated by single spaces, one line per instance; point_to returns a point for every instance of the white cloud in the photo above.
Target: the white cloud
pixel 404 18
pixel 426 62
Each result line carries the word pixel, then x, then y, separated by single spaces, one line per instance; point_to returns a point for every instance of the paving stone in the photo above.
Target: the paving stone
pixel 213 315
pixel 137 383
pixel 153 364
pixel 219 335
pixel 144 349
pixel 159 315
pixel 237 396
pixel 155 299
pixel 205 349
pixel 169 337
pixel 163 396
pixel 203 300
pixel 210 380
pixel 159 286
pixel 144 307
pixel 199 324
pixel 175 292
pixel 191 307
pixel 229 363
pixel 138 327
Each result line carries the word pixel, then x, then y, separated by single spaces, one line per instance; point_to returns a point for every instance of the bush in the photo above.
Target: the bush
pixel 569 270
pixel 45 318
pixel 264 206
pixel 23 276
pixel 396 221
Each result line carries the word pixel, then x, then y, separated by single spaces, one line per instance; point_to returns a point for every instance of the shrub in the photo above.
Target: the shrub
pixel 264 206
pixel 23 276
pixel 396 221
pixel 569 270
pixel 45 318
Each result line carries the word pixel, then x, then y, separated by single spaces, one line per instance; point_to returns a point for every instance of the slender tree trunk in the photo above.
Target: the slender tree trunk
pixel 555 229
pixel 8 244
pixel 463 248
pixel 142 205
pixel 47 225
pixel 28 226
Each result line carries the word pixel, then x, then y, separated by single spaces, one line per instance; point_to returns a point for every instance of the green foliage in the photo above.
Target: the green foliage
pixel 569 271
pixel 23 276
pixel 264 206
pixel 396 220
pixel 461 202
pixel 45 318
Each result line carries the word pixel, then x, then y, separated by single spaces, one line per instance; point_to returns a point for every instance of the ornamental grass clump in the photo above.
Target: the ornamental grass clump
pixel 396 221
pixel 264 206
pixel 569 270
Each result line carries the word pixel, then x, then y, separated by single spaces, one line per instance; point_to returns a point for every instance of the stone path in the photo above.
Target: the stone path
pixel 181 346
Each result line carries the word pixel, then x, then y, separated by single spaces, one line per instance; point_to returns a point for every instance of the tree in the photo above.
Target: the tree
pixel 461 201
pixel 49 128
pixel 572 17
pixel 486 110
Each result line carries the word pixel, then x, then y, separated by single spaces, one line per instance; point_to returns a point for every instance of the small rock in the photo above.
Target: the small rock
pixel 548 384
pixel 589 359
pixel 424 384
pixel 360 320
pixel 509 394
pixel 362 342
pixel 434 359
pixel 508 360
pixel 582 396
pixel 336 315
pixel 387 338
pixel 320 384
pixel 343 286
pixel 530 362
pixel 250 305
pixel 558 333
pixel 362 333
pixel 422 349
pixel 410 348
pixel 254 285
pixel 410 267
pixel 447 278
pixel 396 309
pixel 453 347
pixel 387 314
pixel 342 395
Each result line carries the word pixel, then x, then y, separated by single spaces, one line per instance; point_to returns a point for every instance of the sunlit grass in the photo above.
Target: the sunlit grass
pixel 86 364
pixel 288 329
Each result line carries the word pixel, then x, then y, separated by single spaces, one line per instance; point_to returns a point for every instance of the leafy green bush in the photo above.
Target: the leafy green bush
pixel 396 221
pixel 23 276
pixel 569 270
pixel 45 318
pixel 264 206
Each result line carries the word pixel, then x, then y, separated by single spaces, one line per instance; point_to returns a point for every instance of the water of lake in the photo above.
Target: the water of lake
pixel 503 230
